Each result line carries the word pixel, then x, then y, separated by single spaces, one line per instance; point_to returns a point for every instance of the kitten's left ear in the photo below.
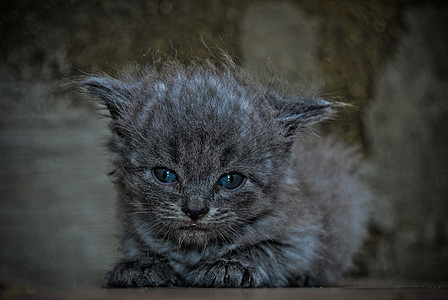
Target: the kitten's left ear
pixel 112 93
pixel 295 112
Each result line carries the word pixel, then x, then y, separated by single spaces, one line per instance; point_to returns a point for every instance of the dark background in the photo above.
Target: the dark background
pixel 389 58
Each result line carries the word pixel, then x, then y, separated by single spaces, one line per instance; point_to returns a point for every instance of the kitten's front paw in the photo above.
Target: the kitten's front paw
pixel 140 274
pixel 226 273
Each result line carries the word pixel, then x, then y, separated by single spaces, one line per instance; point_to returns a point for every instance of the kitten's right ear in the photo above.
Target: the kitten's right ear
pixel 112 93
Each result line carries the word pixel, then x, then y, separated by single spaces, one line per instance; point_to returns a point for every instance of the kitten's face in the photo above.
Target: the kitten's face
pixel 200 164
pixel 200 151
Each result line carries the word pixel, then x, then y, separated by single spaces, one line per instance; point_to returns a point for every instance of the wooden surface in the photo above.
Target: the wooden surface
pixel 244 294
pixel 348 289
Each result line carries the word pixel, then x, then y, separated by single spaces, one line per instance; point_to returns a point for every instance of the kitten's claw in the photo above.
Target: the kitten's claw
pixel 139 274
pixel 227 273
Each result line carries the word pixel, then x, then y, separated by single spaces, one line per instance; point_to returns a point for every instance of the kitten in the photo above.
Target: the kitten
pixel 218 185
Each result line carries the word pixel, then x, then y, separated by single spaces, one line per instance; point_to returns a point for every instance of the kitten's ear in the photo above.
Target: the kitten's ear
pixel 112 93
pixel 295 113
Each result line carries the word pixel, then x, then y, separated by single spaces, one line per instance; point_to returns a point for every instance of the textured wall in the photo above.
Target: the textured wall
pixel 408 159
pixel 387 57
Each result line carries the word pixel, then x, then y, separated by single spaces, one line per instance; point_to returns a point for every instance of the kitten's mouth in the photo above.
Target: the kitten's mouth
pixel 193 226
pixel 193 234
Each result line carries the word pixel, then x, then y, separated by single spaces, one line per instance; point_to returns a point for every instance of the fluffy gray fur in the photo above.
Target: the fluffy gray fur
pixel 297 219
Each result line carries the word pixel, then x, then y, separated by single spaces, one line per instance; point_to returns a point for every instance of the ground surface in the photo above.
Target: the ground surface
pixel 243 294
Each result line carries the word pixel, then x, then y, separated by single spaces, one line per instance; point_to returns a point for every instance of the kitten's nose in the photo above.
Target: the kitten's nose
pixel 195 213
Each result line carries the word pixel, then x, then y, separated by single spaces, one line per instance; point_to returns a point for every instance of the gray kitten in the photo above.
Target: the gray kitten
pixel 218 185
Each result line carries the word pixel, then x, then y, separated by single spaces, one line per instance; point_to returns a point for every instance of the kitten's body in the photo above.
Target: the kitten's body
pixel 297 218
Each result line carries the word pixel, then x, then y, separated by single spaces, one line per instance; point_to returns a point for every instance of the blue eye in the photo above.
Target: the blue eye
pixel 164 176
pixel 231 181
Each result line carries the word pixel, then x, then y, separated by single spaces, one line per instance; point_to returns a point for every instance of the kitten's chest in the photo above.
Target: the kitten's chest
pixel 192 257
pixel 184 260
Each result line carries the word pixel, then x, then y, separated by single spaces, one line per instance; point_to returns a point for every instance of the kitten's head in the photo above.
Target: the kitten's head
pixel 200 150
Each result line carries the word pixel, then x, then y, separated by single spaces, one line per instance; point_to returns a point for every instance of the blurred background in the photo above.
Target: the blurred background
pixel 388 58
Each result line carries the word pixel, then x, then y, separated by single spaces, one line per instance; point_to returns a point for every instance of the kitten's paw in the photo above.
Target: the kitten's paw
pixel 226 273
pixel 141 274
